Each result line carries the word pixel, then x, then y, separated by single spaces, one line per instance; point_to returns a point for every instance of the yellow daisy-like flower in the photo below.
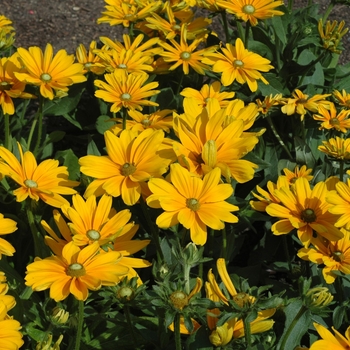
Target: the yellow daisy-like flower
pixel 159 120
pixel 236 63
pixel 234 328
pixel 331 119
pixel 184 54
pixel 193 202
pixel 252 10
pixel 126 90
pixel 10 86
pixel 330 341
pixel 335 256
pixel 47 181
pixel 304 209
pixel 300 103
pixel 208 92
pixel 90 61
pixel 10 335
pixel 51 73
pixel 342 97
pixel 291 176
pixel 91 222
pixel 131 160
pixel 337 148
pixel 5 24
pixel 268 103
pixel 75 272
pixel 7 226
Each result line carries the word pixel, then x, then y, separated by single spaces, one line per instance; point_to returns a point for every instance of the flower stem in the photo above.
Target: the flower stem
pixel 224 22
pixel 246 34
pixel 35 121
pixel 247 333
pixel 341 170
pixel 7 131
pixel 224 244
pixel 278 137
pixel 240 31
pixel 124 117
pixel 33 228
pixel 80 324
pixel 290 5
pixel 286 251
pixel 328 11
pixel 180 83
pixel 177 332
pixel 127 315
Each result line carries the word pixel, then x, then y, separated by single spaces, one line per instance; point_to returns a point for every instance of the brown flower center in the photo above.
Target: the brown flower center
pixel 128 169
pixel 308 215
pixel 46 77
pixel 93 235
pixel 76 270
pixel 338 256
pixel 4 85
pixel 334 121
pixel 185 55
pixel 238 63
pixel 301 101
pixel 248 9
pixel 30 183
pixel 193 204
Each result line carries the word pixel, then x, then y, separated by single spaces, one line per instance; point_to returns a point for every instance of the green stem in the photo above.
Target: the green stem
pixel 35 121
pixel 277 51
pixel 224 22
pixel 286 251
pixel 290 5
pixel 153 230
pixel 7 131
pixel 124 117
pixel 246 34
pixel 300 313
pixel 211 237
pixel 180 83
pixel 224 244
pixel 341 170
pixel 240 31
pixel 311 65
pixel 187 269
pixel 80 325
pixel 278 137
pixel 303 130
pixel 328 11
pixel 40 128
pixel 127 315
pixel 33 228
pixel 177 332
pixel 247 333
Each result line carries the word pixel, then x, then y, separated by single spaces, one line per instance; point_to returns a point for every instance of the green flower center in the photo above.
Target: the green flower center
pixel 334 121
pixel 88 65
pixel 193 204
pixel 125 96
pixel 126 293
pixel 76 270
pixel 4 85
pixel 248 9
pixel 308 215
pixel 128 169
pixel 122 66
pixel 241 299
pixel 45 77
pixel 93 235
pixel 238 63
pixel 176 27
pixel 185 55
pixel 338 256
pixel 30 183
pixel 146 123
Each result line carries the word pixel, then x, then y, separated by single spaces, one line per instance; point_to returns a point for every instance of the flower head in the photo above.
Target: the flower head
pixel 51 73
pixel 193 202
pixel 7 226
pixel 331 34
pixel 337 148
pixel 330 341
pixel 75 272
pixel 252 10
pixel 47 181
pixel 132 159
pixel 236 63
pixel 268 103
pixel 342 97
pixel 291 176
pixel 92 62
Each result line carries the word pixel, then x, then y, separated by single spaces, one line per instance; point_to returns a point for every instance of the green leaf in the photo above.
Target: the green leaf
pixel 92 149
pixel 317 78
pixel 306 57
pixel 279 29
pixel 72 120
pixel 104 123
pixel 303 153
pixel 70 160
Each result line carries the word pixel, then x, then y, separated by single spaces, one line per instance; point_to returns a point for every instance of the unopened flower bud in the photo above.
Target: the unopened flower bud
pixel 59 315
pixel 241 299
pixel 125 294
pixel 179 299
pixel 319 297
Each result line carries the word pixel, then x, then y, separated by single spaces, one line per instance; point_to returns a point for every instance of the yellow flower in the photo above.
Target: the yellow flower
pixel 193 202
pixel 334 255
pixel 291 176
pixel 331 119
pixel 50 73
pixel 184 54
pixel 131 160
pixel 75 272
pixel 91 222
pixel 234 328
pixel 337 148
pixel 269 102
pixel 90 61
pixel 252 10
pixel 301 103
pixel 10 86
pixel 342 97
pixel 5 24
pixel 127 11
pixel 10 335
pixel 159 120
pixel 126 90
pixel 330 341
pixel 208 92
pixel 7 226
pixel 236 63
pixel 332 34
pixel 47 181
pixel 304 209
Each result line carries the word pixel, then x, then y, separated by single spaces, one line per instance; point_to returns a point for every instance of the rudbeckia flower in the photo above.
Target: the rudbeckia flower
pixel 10 335
pixel 5 24
pixel 291 176
pixel 88 58
pixel 304 209
pixel 46 181
pixel 236 63
pixel 330 341
pixel 193 202
pixel 126 90
pixel 75 272
pixel 334 256
pixel 268 103
pixel 51 73
pixel 337 148
pixel 342 97
pixel 252 10
pixel 131 161
pixel 7 226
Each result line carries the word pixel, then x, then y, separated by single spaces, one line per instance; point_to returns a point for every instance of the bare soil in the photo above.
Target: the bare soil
pixel 67 23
